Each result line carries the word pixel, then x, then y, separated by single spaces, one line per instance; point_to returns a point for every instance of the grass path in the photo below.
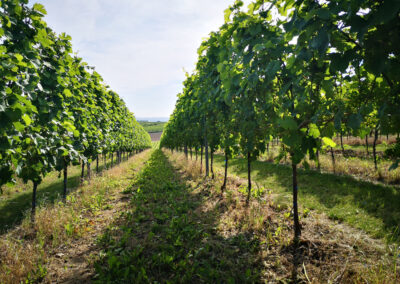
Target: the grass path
pixel 169 236
pixel 73 263
pixel 155 218
pixel 179 229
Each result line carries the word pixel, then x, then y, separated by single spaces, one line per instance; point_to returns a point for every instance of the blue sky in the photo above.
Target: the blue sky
pixel 141 48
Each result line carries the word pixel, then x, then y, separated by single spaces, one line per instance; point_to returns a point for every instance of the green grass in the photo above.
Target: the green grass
pixel 16 201
pixel 379 148
pixel 28 252
pixel 363 205
pixel 155 144
pixel 166 238
pixel 152 127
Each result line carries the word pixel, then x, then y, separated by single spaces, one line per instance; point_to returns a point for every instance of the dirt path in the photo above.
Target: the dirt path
pixel 155 136
pixel 73 262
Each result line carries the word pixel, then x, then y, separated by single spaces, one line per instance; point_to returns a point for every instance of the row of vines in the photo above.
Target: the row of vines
pixel 302 71
pixel 55 110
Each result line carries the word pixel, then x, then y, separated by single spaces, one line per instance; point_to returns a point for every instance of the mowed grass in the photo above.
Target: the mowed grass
pixel 166 237
pixel 28 250
pixel 362 148
pixel 180 228
pixel 16 201
pixel 372 208
pixel 352 163
pixel 355 143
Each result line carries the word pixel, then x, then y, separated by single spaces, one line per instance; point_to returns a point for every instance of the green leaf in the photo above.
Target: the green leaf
pixel 69 126
pixel 314 131
pixel 19 57
pixel 354 121
pixel 14 114
pixel 27 119
pixel 258 47
pixel 292 140
pixel 3 49
pixel 67 93
pixel 272 68
pixel 328 142
pixel 39 8
pixel 43 38
pixel 321 41
pixel 18 10
pixel 227 14
pixel 297 157
pixel 338 63
pixel 288 123
pixel 324 13
pixel 19 126
pixel 328 87
pixel 328 130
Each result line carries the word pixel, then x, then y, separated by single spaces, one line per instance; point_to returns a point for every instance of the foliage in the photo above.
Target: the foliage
pixel 301 71
pixel 54 108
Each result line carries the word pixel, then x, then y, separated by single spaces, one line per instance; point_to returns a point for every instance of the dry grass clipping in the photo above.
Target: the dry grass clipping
pixel 26 250
pixel 328 252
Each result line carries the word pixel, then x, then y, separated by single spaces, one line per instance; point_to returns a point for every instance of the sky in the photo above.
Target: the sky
pixel 141 48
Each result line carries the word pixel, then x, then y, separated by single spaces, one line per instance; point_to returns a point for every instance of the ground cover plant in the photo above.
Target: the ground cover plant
pixel 280 162
pixel 181 227
pixel 350 162
pixel 16 198
pixel 53 248
pixel 364 205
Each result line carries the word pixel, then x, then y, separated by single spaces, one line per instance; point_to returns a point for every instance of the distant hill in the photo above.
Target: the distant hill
pixel 152 119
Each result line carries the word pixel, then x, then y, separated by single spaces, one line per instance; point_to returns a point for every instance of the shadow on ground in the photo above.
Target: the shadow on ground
pixel 169 235
pixel 14 209
pixel 342 197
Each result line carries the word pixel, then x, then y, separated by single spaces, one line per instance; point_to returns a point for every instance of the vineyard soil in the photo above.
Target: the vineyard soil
pixel 364 205
pixel 353 163
pixel 15 202
pixel 180 229
pixel 162 220
pixel 155 136
pixel 62 242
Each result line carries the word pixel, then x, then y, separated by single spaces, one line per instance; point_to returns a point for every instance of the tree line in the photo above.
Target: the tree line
pixel 302 71
pixel 55 110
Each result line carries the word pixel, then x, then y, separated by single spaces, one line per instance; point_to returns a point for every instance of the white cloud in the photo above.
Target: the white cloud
pixel 139 47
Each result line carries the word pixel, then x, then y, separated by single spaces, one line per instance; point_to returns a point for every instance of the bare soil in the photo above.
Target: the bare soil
pixel 156 136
